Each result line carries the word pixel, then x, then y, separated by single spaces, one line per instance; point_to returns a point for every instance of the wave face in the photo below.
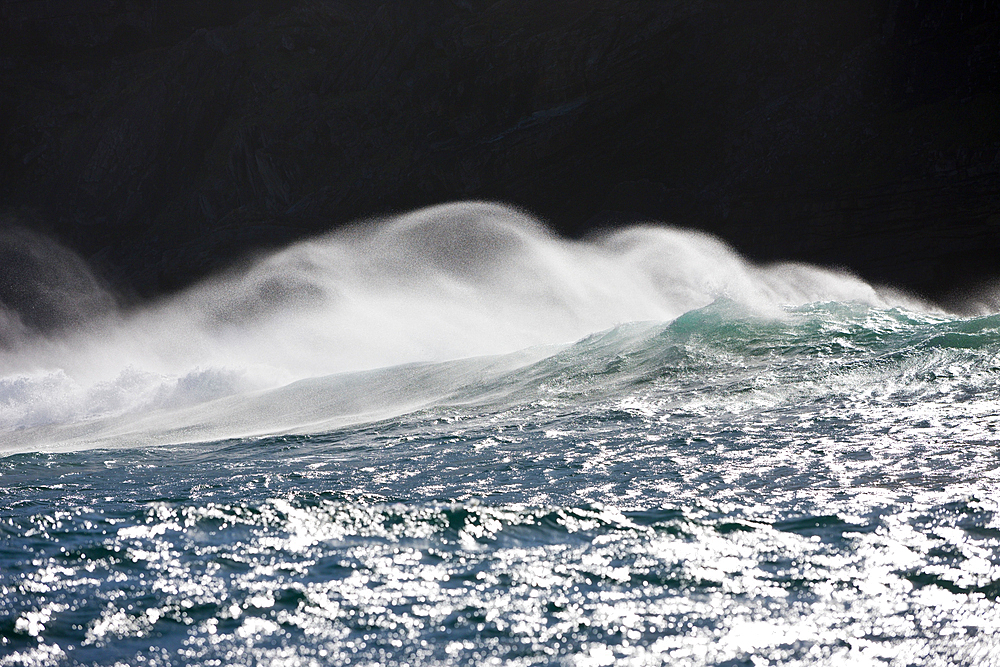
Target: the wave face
pixel 452 438
pixel 445 283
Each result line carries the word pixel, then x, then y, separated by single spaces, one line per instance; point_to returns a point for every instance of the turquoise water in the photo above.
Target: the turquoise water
pixel 804 484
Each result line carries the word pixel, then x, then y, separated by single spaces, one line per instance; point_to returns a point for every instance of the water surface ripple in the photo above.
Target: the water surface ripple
pixel 723 489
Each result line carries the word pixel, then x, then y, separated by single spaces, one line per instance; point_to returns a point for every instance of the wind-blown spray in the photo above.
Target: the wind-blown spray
pixel 443 283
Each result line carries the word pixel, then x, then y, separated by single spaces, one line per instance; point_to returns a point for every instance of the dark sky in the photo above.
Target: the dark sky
pixel 162 141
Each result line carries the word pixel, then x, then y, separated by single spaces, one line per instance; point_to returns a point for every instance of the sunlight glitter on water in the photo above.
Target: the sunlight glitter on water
pixel 451 584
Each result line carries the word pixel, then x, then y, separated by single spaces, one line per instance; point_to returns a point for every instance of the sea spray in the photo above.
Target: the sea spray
pixel 447 282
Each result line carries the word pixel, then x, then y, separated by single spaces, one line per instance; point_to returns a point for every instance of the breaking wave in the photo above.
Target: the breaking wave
pixel 236 354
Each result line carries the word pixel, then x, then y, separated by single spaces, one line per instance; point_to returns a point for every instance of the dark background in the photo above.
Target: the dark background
pixel 162 141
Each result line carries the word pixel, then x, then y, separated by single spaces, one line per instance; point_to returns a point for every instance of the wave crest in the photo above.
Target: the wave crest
pixel 449 282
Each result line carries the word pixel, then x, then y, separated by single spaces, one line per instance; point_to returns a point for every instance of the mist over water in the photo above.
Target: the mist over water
pixel 453 438
pixel 443 283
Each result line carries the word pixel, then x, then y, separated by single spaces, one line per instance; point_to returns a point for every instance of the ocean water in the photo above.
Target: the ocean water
pixel 450 437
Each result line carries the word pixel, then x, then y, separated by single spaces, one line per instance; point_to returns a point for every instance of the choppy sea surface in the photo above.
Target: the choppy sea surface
pixel 729 471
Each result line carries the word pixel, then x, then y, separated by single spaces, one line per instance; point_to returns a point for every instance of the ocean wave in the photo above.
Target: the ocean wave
pixel 456 303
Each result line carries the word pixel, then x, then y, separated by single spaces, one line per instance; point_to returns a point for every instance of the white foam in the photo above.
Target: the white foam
pixel 447 282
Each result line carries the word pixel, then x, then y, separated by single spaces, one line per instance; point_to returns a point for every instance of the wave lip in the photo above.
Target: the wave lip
pixel 457 281
pixel 720 359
